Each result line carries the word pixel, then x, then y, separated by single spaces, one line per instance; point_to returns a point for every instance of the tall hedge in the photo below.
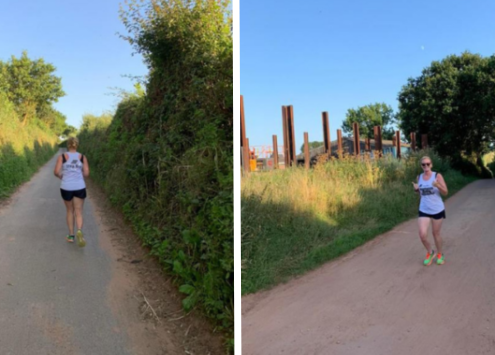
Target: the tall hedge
pixel 23 149
pixel 166 157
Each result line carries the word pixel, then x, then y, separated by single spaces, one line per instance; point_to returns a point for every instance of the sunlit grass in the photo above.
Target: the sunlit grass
pixel 296 219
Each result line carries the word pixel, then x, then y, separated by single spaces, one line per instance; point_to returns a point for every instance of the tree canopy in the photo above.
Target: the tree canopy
pixel 453 102
pixel 32 87
pixel 312 145
pixel 378 114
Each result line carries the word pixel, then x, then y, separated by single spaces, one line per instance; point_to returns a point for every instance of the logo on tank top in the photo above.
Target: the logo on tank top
pixel 427 191
pixel 73 165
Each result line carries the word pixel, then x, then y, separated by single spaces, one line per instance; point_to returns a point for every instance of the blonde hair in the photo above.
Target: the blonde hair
pixel 426 157
pixel 72 142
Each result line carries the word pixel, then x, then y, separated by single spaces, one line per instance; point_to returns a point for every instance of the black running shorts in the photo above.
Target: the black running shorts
pixel 434 216
pixel 68 195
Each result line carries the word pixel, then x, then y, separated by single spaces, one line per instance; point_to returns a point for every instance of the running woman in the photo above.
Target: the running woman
pixel 72 167
pixel 430 185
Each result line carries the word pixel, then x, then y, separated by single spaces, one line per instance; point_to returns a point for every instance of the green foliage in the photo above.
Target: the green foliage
pixel 491 166
pixel 346 203
pixel 69 131
pixel 453 102
pixel 93 123
pixel 488 158
pixel 22 149
pixel 378 114
pixel 471 165
pixel 312 145
pixel 54 119
pixel 31 86
pixel 166 157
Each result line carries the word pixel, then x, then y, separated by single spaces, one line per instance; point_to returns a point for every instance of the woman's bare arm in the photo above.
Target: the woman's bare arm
pixel 58 167
pixel 441 185
pixel 85 167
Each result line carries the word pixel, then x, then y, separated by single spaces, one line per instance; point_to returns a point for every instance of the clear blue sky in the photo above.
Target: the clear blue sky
pixel 79 38
pixel 336 55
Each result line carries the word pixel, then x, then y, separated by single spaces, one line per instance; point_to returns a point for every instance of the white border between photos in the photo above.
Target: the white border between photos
pixel 237 181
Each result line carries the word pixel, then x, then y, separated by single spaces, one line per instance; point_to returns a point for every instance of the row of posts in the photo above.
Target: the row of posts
pixel 290 144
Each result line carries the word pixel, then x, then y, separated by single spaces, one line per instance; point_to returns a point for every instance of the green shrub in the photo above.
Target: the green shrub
pixel 166 157
pixel 294 220
pixel 23 149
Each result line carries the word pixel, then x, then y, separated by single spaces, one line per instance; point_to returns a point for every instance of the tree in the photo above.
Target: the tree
pixel 378 114
pixel 52 118
pixel 186 114
pixel 312 145
pixel 69 131
pixel 30 85
pixel 453 102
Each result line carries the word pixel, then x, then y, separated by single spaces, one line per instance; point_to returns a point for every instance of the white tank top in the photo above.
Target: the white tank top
pixel 72 170
pixel 431 201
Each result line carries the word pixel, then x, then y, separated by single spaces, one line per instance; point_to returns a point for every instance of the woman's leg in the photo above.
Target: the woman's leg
pixel 70 215
pixel 437 226
pixel 423 224
pixel 78 207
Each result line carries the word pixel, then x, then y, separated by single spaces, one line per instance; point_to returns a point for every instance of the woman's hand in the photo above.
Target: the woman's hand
pixel 438 184
pixel 416 187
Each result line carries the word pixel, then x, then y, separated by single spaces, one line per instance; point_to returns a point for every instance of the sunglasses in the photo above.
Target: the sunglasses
pixel 425 164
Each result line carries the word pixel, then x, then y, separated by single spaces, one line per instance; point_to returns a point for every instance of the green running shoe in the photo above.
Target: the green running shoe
pixel 70 238
pixel 440 259
pixel 80 239
pixel 428 260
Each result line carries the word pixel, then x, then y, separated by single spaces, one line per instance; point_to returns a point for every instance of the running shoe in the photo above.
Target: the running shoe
pixel 70 238
pixel 440 259
pixel 428 260
pixel 80 239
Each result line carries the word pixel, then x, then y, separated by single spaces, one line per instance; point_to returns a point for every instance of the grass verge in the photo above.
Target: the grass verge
pixel 294 220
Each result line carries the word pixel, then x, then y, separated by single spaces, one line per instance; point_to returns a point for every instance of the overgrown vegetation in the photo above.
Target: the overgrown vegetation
pixel 166 155
pixel 31 86
pixel 294 220
pixel 491 166
pixel 28 122
pixel 453 102
pixel 23 149
pixel 489 161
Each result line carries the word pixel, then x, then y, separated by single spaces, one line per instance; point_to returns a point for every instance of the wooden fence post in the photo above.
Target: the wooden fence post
pixel 326 134
pixel 413 141
pixel 244 144
pixel 397 139
pixel 424 141
pixel 357 143
pixel 275 152
pixel 339 143
pixel 306 150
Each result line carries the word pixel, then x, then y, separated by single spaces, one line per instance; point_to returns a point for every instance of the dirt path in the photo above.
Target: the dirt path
pixel 380 299
pixel 107 298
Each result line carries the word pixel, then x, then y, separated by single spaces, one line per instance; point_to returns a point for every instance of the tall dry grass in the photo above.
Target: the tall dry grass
pixel 295 219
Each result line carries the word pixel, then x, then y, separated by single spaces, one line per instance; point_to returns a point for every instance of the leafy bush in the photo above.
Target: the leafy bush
pixel 23 149
pixel 166 157
pixel 326 212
